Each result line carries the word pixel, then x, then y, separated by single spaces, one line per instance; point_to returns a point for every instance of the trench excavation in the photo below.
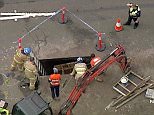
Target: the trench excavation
pixel 64 65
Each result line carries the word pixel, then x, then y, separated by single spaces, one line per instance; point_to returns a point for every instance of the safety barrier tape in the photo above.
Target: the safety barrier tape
pixel 87 25
pixel 82 21
pixel 38 25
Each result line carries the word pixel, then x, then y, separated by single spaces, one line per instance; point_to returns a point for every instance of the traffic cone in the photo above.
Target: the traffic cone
pixel 63 19
pixel 118 27
pixel 100 46
pixel 19 42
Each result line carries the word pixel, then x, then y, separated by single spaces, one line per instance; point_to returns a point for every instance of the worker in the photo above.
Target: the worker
pixel 134 13
pixel 31 72
pixel 22 54
pixel 94 60
pixel 79 69
pixel 54 80
pixel 4 111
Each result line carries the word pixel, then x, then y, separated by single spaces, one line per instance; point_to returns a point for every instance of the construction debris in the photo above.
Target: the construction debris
pixel 150 93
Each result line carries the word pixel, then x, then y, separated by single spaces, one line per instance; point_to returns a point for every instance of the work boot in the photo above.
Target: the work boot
pixel 135 25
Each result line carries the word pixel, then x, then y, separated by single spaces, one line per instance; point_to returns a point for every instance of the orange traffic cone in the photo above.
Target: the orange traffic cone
pixel 118 27
pixel 19 42
pixel 100 46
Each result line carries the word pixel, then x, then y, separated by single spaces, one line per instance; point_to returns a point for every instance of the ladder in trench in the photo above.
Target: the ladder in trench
pixel 40 67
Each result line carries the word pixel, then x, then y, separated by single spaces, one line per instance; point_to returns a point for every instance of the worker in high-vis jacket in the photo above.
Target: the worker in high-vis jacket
pixel 94 60
pixel 54 81
pixel 79 69
pixel 134 13
pixel 22 54
pixel 4 111
pixel 31 72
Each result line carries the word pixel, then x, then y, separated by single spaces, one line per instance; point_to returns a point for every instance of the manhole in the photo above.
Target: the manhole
pixel 48 64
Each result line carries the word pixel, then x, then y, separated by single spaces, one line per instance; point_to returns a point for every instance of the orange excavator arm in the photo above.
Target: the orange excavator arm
pixel 117 55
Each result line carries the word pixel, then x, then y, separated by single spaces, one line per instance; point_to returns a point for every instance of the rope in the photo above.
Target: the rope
pixel 87 25
pixel 82 21
pixel 38 25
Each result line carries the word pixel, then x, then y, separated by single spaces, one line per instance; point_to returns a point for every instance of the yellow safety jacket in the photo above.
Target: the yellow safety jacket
pixel 19 57
pixel 135 11
pixel 80 69
pixel 30 69
pixel 2 110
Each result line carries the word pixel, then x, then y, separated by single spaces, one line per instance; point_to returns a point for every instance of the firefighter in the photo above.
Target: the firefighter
pixel 54 80
pixel 79 69
pixel 31 72
pixel 94 60
pixel 134 13
pixel 4 111
pixel 22 54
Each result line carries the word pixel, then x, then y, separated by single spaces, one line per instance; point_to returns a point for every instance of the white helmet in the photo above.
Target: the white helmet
pixel 124 80
pixel 55 70
pixel 79 59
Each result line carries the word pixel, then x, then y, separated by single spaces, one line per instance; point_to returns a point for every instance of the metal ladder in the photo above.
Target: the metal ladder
pixel 40 68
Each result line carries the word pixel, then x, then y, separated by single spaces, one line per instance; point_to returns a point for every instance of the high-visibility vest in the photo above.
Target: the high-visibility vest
pixel 4 110
pixel 55 79
pixel 95 61
pixel 134 12
pixel 80 68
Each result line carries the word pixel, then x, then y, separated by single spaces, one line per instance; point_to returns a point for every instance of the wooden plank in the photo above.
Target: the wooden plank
pixel 134 78
pixel 120 98
pixel 119 91
pixel 141 84
pixel 130 98
pixel 130 93
pixel 136 75
pixel 132 82
pixel 111 104
pixel 124 87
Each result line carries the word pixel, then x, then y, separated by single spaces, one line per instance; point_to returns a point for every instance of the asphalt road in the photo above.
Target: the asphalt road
pixel 54 40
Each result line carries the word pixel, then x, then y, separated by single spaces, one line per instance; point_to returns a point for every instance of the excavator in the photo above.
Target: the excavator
pixel 117 55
